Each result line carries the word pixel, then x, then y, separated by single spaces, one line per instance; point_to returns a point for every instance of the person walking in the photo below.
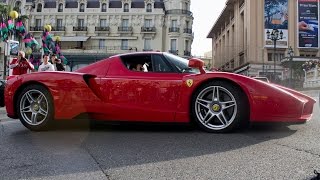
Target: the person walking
pixel 20 65
pixel 46 65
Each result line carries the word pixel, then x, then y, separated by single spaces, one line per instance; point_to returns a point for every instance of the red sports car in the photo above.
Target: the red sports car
pixel 152 87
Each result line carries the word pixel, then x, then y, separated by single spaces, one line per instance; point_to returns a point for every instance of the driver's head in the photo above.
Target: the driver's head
pixel 139 67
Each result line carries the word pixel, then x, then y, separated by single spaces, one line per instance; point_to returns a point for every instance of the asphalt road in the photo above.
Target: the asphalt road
pixel 144 152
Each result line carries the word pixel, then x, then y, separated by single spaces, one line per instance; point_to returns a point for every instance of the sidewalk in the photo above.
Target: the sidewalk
pixel 3 113
pixel 313 93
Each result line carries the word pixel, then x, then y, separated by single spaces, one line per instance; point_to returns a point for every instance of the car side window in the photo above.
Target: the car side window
pixel 140 63
pixel 160 64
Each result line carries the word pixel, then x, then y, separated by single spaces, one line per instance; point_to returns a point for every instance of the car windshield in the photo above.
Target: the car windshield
pixel 181 64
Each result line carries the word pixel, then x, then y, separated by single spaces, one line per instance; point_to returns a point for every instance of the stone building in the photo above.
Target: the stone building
pixel 95 29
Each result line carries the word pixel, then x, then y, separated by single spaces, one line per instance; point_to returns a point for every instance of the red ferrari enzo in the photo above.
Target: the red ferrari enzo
pixel 152 87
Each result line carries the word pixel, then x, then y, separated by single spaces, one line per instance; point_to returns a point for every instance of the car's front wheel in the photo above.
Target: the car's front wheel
pixel 220 106
pixel 35 108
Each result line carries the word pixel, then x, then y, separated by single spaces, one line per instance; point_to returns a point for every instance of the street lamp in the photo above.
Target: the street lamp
pixel 274 36
pixel 290 54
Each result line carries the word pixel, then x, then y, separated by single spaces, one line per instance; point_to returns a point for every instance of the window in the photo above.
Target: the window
pixel 186 45
pixel 241 59
pixel 103 23
pixel 147 44
pixel 174 23
pixel 173 45
pixel 59 24
pixel 18 6
pixel 148 23
pixel 80 44
pixel 60 7
pixel 80 22
pixel 308 54
pixel 187 24
pixel 39 7
pixel 160 64
pixel 232 64
pixel 38 23
pixel 81 7
pixel 278 56
pixel 181 64
pixel 125 23
pixel 104 7
pixel 124 44
pixel 149 7
pixel 126 7
pixel 186 6
pixel 138 62
pixel 102 43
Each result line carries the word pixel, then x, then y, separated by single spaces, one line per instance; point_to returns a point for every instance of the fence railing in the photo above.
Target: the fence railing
pixel 179 11
pixel 148 29
pixel 79 28
pixel 102 28
pixel 174 29
pixel 187 30
pixel 124 28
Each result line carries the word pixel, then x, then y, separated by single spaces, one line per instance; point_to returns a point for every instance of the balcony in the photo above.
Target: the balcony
pixel 187 31
pixel 174 29
pixel 148 29
pixel 98 49
pixel 36 28
pixel 105 29
pixel 59 28
pixel 179 11
pixel 187 53
pixel 175 52
pixel 80 28
pixel 124 29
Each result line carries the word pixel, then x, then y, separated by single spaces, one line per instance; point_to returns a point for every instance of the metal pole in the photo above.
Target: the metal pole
pixel 263 63
pixel 5 65
pixel 290 80
pixel 274 58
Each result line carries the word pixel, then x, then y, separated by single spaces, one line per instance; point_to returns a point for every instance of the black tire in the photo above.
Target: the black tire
pixel 47 121
pixel 239 113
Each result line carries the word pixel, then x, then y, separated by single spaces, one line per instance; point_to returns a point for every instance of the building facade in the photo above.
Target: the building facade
pixel 240 36
pixel 108 27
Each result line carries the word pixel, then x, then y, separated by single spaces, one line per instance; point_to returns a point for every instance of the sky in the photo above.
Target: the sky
pixel 205 13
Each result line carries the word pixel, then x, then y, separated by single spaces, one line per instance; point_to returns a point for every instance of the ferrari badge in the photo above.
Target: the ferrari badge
pixel 189 82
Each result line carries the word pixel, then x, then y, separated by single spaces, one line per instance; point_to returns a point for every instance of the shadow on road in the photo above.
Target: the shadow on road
pixel 127 145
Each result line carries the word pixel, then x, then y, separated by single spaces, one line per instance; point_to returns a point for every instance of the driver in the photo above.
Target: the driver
pixel 138 67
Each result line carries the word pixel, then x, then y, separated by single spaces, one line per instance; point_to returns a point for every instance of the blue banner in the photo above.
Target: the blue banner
pixel 308 23
pixel 276 17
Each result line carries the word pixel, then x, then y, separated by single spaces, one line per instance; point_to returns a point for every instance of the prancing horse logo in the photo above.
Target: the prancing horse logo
pixel 189 82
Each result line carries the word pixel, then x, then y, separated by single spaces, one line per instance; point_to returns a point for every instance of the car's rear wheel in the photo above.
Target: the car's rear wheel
pixel 35 108
pixel 220 106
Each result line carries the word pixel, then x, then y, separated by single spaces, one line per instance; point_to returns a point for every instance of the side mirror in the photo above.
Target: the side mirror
pixel 197 63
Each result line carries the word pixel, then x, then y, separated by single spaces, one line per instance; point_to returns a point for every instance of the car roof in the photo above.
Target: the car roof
pixel 137 53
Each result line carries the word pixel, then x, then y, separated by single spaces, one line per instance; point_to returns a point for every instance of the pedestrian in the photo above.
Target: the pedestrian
pixel 20 65
pixel 58 65
pixel 46 65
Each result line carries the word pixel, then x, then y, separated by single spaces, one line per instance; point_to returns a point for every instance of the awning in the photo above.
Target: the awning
pixel 74 38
